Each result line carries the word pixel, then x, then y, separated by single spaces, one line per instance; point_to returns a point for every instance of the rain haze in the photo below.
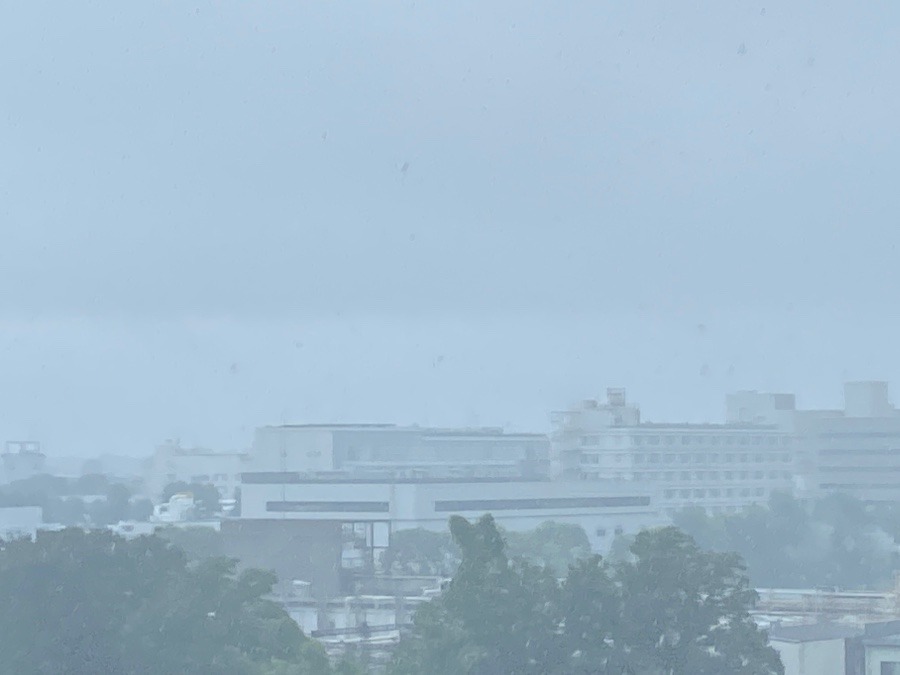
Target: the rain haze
pixel 217 216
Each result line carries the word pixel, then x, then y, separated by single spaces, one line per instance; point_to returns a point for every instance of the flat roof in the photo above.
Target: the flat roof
pixel 424 431
pixel 479 433
pixel 294 478
pixel 336 426
pixel 886 641
pixel 814 632
pixel 700 426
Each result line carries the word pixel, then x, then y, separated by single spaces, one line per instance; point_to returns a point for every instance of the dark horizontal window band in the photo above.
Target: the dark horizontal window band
pixel 860 486
pixel 333 507
pixel 858 434
pixel 862 451
pixel 294 478
pixel 534 504
pixel 858 469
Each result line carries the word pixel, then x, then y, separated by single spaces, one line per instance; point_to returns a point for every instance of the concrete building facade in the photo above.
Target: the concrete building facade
pixel 765 444
pixel 854 450
pixel 21 460
pixel 171 463
pixel 20 521
pixel 385 450
pixel 722 467
pixel 603 508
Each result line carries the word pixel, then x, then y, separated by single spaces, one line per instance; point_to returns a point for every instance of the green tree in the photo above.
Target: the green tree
pixel 493 618
pixel 591 607
pixel 421 552
pixel 424 552
pixel 835 541
pixel 198 543
pixel 687 611
pixel 140 509
pixel 206 496
pixel 114 508
pixel 80 602
pixel 550 544
pixel 66 511
pixel 669 608
pixel 91 484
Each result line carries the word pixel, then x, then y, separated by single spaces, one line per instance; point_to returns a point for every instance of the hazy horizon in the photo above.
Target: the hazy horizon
pixel 221 216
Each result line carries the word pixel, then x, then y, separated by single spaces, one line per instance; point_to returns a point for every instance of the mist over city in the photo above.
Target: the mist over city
pixel 484 338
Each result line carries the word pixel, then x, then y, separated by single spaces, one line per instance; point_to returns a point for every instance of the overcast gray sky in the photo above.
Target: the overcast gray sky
pixel 221 215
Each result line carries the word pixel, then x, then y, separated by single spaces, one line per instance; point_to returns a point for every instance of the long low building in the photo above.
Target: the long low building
pixel 603 509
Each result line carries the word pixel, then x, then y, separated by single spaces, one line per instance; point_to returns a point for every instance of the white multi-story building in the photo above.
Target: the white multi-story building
pixel 385 450
pixel 765 444
pixel 603 508
pixel 171 463
pixel 854 450
pixel 722 467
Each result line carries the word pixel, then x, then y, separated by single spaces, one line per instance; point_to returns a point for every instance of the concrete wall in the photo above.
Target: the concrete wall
pixel 20 521
pixel 867 399
pixel 408 505
pixel 824 657
pixel 390 450
pixel 753 407
pixel 286 448
pixel 307 551
pixel 171 463
pixel 876 656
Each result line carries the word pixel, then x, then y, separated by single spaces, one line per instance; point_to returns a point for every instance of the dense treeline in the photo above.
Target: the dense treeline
pixel 423 552
pixel 669 609
pixel 833 541
pixel 91 499
pixel 92 603
pixel 94 500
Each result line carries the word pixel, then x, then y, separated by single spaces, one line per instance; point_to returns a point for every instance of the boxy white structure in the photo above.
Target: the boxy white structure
pixel 20 521
pixel 603 509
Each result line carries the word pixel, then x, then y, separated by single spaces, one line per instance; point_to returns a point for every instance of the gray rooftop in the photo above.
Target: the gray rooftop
pixel 884 641
pixel 813 632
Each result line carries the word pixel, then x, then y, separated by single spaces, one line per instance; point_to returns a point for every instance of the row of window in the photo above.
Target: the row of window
pixel 671 476
pixel 601 531
pixel 741 439
pixel 697 458
pixel 859 469
pixel 690 476
pixel 860 451
pixel 457 505
pixel 206 478
pixel 711 440
pixel 700 493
